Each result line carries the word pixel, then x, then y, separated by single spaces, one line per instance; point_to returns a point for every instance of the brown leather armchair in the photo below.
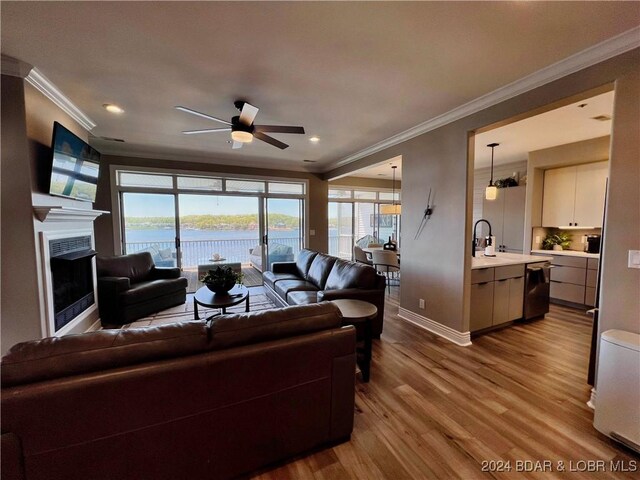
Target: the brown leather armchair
pixel 131 287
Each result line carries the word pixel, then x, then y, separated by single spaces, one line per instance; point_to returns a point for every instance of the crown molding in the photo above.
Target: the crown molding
pixel 267 164
pixel 14 67
pixel 598 53
pixel 53 93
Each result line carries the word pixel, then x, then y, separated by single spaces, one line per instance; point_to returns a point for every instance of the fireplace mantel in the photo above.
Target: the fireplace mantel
pixel 56 213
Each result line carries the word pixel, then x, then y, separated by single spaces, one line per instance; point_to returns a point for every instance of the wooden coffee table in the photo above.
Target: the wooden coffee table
pixel 206 298
pixel 355 312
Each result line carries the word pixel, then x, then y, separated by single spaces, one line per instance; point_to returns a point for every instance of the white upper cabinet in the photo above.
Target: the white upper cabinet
pixel 591 184
pixel 559 197
pixel 574 196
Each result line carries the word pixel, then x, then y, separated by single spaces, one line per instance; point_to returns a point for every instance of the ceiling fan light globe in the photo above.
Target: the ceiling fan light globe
pixel 241 136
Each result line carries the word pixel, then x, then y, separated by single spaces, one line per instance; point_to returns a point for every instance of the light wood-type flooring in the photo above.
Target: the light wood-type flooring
pixel 436 410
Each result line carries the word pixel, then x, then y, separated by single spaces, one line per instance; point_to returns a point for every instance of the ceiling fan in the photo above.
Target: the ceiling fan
pixel 242 128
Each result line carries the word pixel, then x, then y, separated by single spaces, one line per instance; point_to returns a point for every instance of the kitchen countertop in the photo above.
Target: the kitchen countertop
pixel 569 253
pixel 480 261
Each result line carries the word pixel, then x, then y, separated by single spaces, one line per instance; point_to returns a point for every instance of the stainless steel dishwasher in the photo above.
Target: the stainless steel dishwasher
pixel 536 290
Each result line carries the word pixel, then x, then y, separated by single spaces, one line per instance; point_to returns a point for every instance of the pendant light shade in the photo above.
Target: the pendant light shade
pixel 393 209
pixel 491 192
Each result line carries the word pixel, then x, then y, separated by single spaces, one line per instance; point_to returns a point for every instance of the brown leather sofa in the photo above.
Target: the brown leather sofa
pixel 131 287
pixel 188 400
pixel 316 277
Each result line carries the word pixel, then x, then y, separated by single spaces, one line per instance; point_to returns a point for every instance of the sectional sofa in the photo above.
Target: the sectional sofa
pixel 191 400
pixel 316 277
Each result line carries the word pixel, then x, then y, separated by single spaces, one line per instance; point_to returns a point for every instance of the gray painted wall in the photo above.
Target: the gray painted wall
pixel 20 314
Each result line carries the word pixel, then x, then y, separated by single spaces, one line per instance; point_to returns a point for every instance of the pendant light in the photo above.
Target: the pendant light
pixel 491 192
pixel 393 209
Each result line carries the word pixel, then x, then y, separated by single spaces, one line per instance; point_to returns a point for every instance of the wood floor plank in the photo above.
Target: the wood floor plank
pixel 434 410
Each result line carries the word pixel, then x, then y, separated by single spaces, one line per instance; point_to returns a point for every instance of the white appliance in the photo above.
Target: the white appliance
pixel 617 411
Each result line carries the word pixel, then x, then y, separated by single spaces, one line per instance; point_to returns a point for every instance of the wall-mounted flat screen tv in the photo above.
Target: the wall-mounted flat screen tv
pixel 75 166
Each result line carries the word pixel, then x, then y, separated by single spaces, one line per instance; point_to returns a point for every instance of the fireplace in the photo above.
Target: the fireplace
pixel 71 267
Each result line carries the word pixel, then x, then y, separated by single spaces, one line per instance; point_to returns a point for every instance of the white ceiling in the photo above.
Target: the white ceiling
pixel 352 73
pixel 566 124
pixel 381 170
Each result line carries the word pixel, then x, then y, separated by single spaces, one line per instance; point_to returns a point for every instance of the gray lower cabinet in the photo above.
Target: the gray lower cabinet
pixel 573 279
pixel 497 296
pixel 481 306
pixel 516 298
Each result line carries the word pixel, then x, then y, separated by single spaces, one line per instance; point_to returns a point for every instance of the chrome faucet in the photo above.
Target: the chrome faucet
pixel 474 243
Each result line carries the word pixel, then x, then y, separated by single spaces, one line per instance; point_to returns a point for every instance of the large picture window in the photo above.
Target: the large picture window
pixel 196 221
pixel 355 214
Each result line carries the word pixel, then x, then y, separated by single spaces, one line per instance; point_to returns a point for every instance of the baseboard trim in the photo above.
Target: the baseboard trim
pixel 592 401
pixel 459 338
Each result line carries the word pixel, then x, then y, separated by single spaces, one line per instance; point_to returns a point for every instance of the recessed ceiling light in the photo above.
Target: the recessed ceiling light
pixel 112 108
pixel 314 139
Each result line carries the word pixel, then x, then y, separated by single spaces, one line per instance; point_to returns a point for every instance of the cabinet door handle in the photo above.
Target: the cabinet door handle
pixel 503 280
pixel 483 283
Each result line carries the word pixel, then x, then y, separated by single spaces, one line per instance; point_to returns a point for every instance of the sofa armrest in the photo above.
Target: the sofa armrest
pixel 350 293
pixel 109 286
pixel 161 273
pixel 284 267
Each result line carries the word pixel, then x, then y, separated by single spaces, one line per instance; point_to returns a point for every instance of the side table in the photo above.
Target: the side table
pixel 359 312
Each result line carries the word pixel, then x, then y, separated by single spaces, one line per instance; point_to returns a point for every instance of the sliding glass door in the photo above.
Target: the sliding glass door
pixel 217 230
pixel 149 225
pixel 284 229
pixel 340 230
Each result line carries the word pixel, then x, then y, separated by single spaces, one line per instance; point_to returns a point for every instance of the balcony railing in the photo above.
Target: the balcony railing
pixel 197 252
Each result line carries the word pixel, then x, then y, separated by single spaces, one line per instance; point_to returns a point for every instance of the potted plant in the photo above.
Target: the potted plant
pixel 221 279
pixel 557 240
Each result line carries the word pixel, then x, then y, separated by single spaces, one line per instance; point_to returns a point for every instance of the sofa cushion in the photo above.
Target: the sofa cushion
pixel 56 357
pixel 135 266
pixel 305 257
pixel 302 297
pixel 285 286
pixel 248 328
pixel 271 278
pixel 346 274
pixel 144 291
pixel 319 269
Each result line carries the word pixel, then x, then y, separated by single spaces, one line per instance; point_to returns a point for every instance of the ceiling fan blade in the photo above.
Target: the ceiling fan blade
pixel 203 115
pixel 270 140
pixel 208 130
pixel 248 114
pixel 236 145
pixel 278 129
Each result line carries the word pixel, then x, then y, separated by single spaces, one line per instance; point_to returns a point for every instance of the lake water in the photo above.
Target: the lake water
pixel 161 235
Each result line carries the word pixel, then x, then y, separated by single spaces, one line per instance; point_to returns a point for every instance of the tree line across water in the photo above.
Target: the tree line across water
pixel 213 222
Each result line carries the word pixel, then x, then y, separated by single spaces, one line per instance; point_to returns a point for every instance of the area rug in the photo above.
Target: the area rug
pixel 184 312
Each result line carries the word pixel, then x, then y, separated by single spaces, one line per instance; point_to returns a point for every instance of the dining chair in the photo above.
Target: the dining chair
pixel 360 255
pixel 386 263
